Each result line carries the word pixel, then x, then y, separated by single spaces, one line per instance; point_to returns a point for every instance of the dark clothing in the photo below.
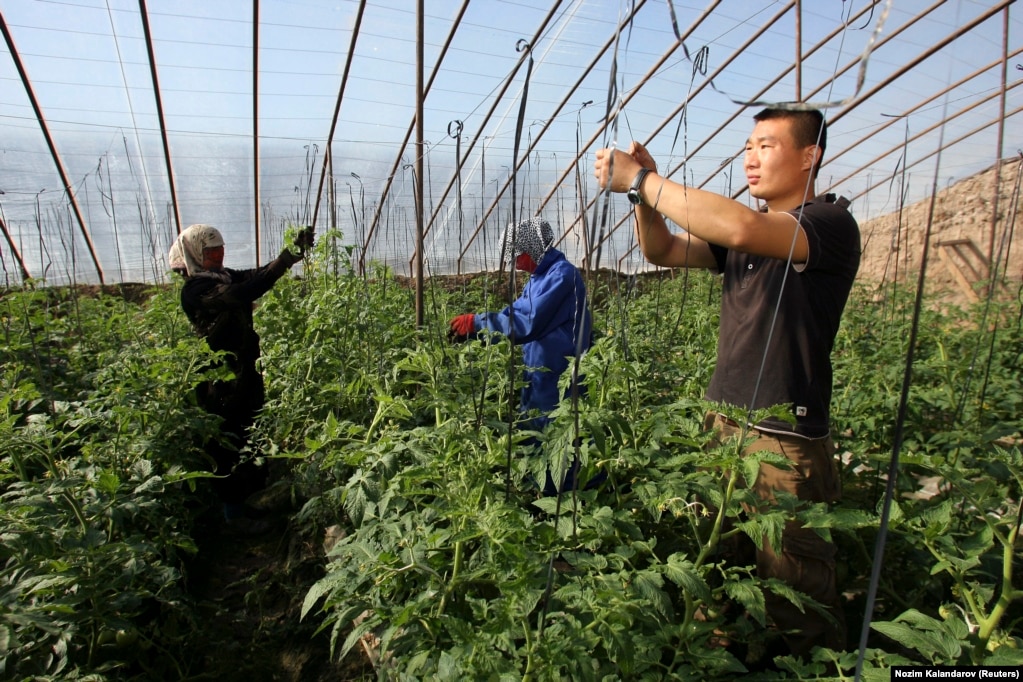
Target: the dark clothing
pixel 220 310
pixel 549 319
pixel 806 561
pixel 791 355
pixel 797 367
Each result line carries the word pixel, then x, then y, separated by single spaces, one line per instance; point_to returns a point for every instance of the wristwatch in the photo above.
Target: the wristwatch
pixel 633 192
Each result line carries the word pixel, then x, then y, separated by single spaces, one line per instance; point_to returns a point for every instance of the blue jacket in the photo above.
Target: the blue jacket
pixel 546 320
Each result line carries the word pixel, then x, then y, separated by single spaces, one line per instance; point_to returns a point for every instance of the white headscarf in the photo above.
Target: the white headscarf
pixel 186 251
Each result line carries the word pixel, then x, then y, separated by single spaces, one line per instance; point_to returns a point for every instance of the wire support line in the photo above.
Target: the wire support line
pixel 900 419
pixel 893 465
pixel 517 161
pixel 509 79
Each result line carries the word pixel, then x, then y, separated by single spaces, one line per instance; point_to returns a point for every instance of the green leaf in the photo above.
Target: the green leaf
pixel 108 482
pixel 747 593
pixel 933 639
pixel 765 527
pixel 320 588
pixel 649 585
pixel 681 571
pixel 354 636
pixel 1003 655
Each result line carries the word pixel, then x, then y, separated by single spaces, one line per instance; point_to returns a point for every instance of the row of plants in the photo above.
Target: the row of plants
pixel 94 476
pixel 451 565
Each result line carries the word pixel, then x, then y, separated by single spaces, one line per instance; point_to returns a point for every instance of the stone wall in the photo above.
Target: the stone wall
pixel 960 241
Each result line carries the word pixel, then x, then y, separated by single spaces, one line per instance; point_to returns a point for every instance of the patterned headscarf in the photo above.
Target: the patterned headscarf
pixel 186 251
pixel 533 236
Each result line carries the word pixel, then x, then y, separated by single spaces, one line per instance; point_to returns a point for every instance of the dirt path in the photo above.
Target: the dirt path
pixel 249 592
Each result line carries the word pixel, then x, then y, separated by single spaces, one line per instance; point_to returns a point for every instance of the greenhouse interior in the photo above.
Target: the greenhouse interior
pixel 281 401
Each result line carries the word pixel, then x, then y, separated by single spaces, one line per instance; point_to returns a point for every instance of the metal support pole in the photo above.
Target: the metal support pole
pixel 14 249
pixel 998 150
pixel 143 12
pixel 799 50
pixel 337 108
pixel 497 97
pixel 72 200
pixel 255 126
pixel 420 151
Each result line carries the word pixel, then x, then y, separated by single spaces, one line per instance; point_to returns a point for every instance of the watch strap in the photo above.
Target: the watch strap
pixel 637 182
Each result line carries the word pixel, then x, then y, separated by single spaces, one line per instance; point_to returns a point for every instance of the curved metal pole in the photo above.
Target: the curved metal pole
pixel 144 14
pixel 255 125
pixel 497 100
pixel 922 103
pixel 337 107
pixel 671 115
pixel 408 135
pixel 51 144
pixel 849 66
pixel 858 142
pixel 14 249
pixel 820 44
pixel 678 110
pixel 863 97
pixel 954 142
pixel 887 81
pixel 958 33
pixel 600 130
pixel 999 145
pixel 547 124
pixel 866 95
pixel 972 106
pixel 727 162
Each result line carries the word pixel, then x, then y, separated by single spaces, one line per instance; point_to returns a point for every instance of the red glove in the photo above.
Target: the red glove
pixel 464 325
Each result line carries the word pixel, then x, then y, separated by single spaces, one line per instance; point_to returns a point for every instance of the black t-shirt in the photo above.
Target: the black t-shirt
pixel 790 336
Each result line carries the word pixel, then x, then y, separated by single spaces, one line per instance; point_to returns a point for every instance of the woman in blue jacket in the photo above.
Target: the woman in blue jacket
pixel 551 319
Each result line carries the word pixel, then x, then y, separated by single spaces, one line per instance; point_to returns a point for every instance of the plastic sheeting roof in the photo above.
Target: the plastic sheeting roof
pixel 123 122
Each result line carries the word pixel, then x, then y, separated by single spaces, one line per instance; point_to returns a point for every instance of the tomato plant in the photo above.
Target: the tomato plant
pixel 451 563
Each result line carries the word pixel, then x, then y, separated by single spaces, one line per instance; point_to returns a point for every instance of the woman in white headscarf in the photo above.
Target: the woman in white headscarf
pixel 219 301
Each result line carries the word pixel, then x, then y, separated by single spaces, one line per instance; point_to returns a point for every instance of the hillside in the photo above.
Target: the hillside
pixel 961 240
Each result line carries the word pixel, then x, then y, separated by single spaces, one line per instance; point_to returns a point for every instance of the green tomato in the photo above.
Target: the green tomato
pixel 126 638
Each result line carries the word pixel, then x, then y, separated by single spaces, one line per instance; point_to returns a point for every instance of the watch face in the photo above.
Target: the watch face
pixel 633 192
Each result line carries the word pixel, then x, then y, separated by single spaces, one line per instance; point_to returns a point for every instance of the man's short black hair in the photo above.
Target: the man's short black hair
pixel 808 127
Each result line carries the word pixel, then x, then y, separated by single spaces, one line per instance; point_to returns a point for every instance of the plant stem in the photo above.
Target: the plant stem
pixel 1007 594
pixel 455 570
pixel 312 357
pixel 719 521
pixel 527 675
pixel 377 418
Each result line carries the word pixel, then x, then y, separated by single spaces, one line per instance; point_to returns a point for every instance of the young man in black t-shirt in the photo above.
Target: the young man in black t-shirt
pixel 788 270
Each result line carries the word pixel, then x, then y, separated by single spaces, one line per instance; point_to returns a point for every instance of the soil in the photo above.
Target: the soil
pixel 249 591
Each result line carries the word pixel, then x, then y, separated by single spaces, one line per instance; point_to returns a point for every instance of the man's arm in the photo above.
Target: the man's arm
pixel 706 217
pixel 661 247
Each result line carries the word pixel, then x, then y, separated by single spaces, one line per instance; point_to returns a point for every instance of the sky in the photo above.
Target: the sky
pixel 225 105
